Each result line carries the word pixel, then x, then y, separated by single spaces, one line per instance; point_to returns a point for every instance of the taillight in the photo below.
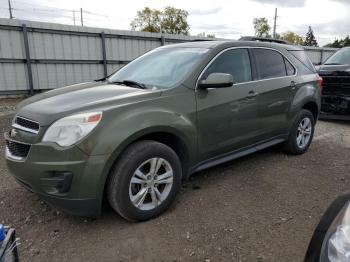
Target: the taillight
pixel 320 82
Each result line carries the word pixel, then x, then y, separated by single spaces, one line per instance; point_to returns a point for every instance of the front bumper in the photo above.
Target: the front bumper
pixel 66 178
pixel 335 107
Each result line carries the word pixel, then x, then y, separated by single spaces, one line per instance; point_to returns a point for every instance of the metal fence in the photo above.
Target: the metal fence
pixel 36 56
pixel 318 55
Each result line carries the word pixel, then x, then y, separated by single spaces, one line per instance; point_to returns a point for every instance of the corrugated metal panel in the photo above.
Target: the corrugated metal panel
pixel 11 44
pixel 49 76
pixel 318 55
pixel 13 77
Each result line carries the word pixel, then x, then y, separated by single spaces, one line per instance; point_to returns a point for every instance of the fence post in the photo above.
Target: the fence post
pixel 321 57
pixel 28 60
pixel 162 40
pixel 104 57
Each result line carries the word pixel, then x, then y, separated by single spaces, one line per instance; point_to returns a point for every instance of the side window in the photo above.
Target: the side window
pixel 235 62
pixel 269 63
pixel 289 67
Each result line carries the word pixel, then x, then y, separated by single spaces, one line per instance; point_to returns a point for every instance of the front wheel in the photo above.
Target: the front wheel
pixel 301 133
pixel 144 181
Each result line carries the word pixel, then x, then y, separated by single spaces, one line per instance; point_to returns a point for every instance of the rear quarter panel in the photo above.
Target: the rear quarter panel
pixel 307 91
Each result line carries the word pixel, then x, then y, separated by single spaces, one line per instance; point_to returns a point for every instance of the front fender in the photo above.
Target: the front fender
pixel 114 138
pixel 128 126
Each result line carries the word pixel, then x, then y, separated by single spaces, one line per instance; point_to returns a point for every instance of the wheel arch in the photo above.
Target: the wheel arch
pixel 312 107
pixel 164 135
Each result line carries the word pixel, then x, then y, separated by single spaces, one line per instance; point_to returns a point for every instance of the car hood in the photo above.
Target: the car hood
pixel 52 105
pixel 333 70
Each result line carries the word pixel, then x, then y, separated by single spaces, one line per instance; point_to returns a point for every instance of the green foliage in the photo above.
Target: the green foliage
pixel 171 20
pixel 340 43
pixel 175 21
pixel 147 20
pixel 310 39
pixel 292 38
pixel 261 27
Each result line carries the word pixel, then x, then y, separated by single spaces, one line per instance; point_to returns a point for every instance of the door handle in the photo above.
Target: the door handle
pixel 252 94
pixel 293 84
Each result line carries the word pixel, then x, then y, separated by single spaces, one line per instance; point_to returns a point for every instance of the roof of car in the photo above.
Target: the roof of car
pixel 232 43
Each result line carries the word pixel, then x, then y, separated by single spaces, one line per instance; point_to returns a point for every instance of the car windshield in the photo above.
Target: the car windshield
pixel 160 68
pixel 341 57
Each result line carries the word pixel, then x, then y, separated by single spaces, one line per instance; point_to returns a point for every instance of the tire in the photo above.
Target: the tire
pixel 294 145
pixel 132 176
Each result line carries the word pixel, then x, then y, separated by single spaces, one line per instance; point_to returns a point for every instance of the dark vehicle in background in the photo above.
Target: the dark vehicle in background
pixel 336 86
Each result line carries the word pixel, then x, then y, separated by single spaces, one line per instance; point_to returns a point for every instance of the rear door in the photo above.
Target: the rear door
pixel 276 86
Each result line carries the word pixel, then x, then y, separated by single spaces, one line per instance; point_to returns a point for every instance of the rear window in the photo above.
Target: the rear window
pixel 303 58
pixel 269 63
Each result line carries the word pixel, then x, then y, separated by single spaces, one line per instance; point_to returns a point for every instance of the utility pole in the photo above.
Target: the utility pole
pixel 81 16
pixel 10 9
pixel 74 16
pixel 275 24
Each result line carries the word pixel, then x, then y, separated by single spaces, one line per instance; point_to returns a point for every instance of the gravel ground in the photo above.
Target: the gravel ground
pixel 263 207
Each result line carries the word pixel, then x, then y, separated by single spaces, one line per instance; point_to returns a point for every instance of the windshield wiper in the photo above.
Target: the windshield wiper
pixel 130 83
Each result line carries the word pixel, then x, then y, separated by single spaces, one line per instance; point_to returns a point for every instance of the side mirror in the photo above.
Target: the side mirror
pixel 216 80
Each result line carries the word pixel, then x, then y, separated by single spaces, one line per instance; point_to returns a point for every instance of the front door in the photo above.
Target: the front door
pixel 227 117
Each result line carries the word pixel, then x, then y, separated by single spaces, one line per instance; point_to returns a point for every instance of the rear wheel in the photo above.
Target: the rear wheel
pixel 144 181
pixel 301 133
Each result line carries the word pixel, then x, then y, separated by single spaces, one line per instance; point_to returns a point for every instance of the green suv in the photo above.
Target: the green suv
pixel 133 137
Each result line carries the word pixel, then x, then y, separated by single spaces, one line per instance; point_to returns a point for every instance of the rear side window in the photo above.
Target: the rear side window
pixel 289 67
pixel 269 63
pixel 303 58
pixel 235 62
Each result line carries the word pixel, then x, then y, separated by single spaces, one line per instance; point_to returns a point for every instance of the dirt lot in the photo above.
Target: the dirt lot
pixel 263 207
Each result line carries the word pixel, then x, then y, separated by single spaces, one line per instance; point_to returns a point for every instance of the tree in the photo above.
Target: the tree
pixel 310 39
pixel 261 27
pixel 147 20
pixel 340 43
pixel 292 38
pixel 175 21
pixel 171 20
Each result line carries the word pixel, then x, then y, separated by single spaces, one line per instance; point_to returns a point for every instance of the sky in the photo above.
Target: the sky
pixel 330 19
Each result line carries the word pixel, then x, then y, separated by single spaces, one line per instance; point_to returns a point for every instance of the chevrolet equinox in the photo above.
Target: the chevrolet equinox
pixel 134 136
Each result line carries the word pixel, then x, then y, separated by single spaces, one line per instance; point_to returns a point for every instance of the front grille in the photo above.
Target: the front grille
pixel 336 85
pixel 27 123
pixel 17 149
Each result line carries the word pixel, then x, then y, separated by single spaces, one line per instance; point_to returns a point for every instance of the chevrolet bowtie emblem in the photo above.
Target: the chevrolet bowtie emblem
pixel 13 133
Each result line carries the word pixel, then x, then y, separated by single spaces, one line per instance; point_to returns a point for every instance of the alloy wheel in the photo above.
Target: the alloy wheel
pixel 304 132
pixel 151 183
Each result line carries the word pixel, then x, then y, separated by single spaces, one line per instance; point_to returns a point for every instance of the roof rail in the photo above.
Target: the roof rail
pixel 201 40
pixel 263 39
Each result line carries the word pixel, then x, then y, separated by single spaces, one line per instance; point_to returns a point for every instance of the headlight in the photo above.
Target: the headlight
pixel 69 130
pixel 336 244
